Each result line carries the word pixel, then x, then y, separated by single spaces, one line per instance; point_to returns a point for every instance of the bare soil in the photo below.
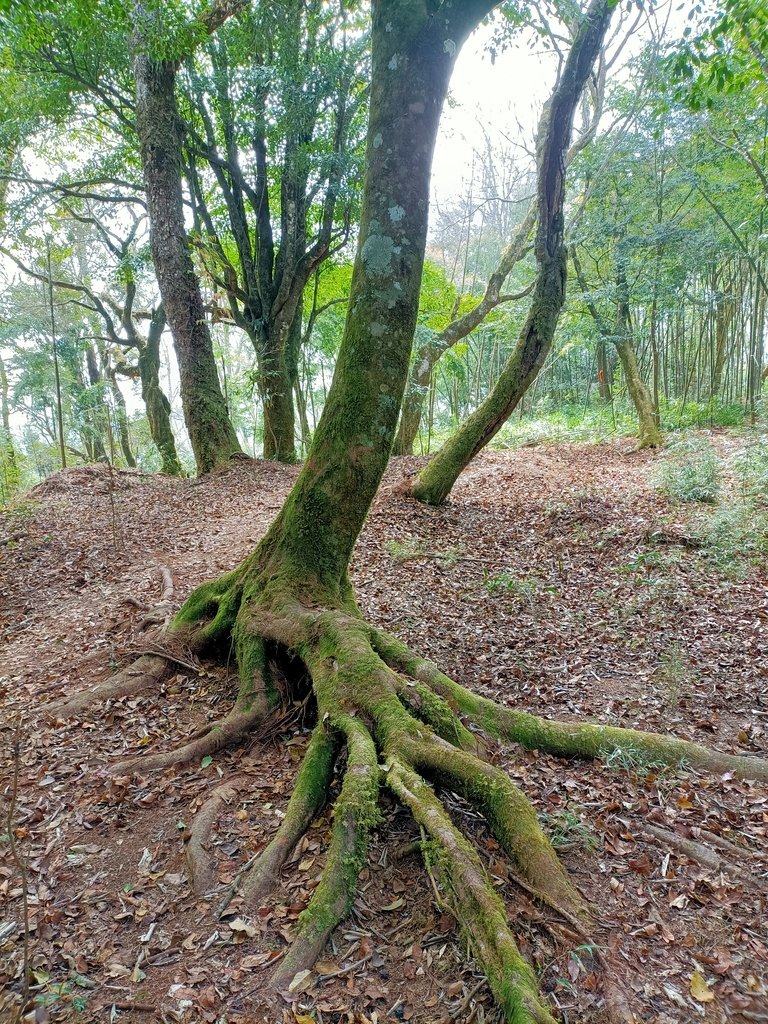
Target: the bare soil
pixel 551 581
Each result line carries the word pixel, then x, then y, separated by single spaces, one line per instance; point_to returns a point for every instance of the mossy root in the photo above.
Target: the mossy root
pixel 308 797
pixel 249 710
pixel 355 813
pixel 473 900
pixel 563 739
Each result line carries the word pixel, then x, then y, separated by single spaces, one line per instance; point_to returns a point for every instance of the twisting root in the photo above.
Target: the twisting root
pixel 141 674
pixel 703 855
pixel 355 812
pixel 511 818
pixel 249 710
pixel 160 614
pixel 563 739
pixel 474 900
pixel 308 797
pixel 432 709
pixel 199 861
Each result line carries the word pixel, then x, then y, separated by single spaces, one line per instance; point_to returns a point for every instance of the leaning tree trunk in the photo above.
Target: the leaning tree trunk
pixel 399 721
pixel 210 431
pixel 155 402
pixel 435 481
pixel 429 353
pixel 649 435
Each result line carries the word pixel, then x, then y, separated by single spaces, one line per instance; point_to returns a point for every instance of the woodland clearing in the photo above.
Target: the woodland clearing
pixel 557 580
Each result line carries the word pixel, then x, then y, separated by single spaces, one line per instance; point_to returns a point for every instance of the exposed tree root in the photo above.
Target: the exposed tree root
pixel 405 725
pixel 142 674
pixel 564 739
pixel 475 902
pixel 309 795
pixel 248 712
pixel 202 866
pixel 703 855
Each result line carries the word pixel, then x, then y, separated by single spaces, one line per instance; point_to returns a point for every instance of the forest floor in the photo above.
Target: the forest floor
pixel 557 579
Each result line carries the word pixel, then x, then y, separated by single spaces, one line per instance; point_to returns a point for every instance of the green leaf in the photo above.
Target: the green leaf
pixel 207 760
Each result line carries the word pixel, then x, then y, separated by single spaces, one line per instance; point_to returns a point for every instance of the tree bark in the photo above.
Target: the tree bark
pixel 155 401
pixel 398 719
pixel 435 481
pixel 7 438
pixel 158 126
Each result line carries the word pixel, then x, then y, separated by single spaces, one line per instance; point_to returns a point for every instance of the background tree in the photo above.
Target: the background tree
pixel 283 159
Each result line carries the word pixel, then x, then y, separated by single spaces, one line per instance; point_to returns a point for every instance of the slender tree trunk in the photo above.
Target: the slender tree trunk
pixel 97 416
pixel 211 433
pixel 648 431
pixel 7 439
pixel 157 405
pixel 434 483
pixel 279 376
pixel 121 415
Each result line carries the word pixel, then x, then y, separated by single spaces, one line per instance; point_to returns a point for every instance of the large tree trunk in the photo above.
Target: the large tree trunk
pixel 435 481
pixel 211 433
pixel 397 717
pixel 155 402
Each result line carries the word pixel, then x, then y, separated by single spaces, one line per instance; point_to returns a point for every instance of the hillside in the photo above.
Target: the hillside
pixel 557 579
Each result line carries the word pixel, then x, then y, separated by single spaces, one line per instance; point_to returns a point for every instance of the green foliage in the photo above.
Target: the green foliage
pixel 524 588
pixel 692 473
pixel 735 535
pixel 567 831
pixel 674 675
pixel 631 759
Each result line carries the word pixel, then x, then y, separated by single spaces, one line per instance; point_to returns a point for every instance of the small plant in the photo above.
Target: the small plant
pixel 692 473
pixel 632 760
pixel 522 588
pixel 407 550
pixel 413 548
pixel 568 832
pixel 673 674
pixel 751 468
pixel 734 535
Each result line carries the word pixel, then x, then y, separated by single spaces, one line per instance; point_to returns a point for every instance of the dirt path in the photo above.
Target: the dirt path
pixel 550 582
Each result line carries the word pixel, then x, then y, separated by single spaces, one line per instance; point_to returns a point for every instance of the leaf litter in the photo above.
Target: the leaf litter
pixel 549 580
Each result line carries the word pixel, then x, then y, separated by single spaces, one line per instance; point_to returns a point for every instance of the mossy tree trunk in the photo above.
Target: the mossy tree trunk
pixel 649 435
pixel 158 126
pixel 435 481
pixel 401 723
pixel 156 403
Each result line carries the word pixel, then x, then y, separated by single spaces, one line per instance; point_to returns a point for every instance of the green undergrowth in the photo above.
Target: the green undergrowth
pixel 725 487
pixel 568 832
